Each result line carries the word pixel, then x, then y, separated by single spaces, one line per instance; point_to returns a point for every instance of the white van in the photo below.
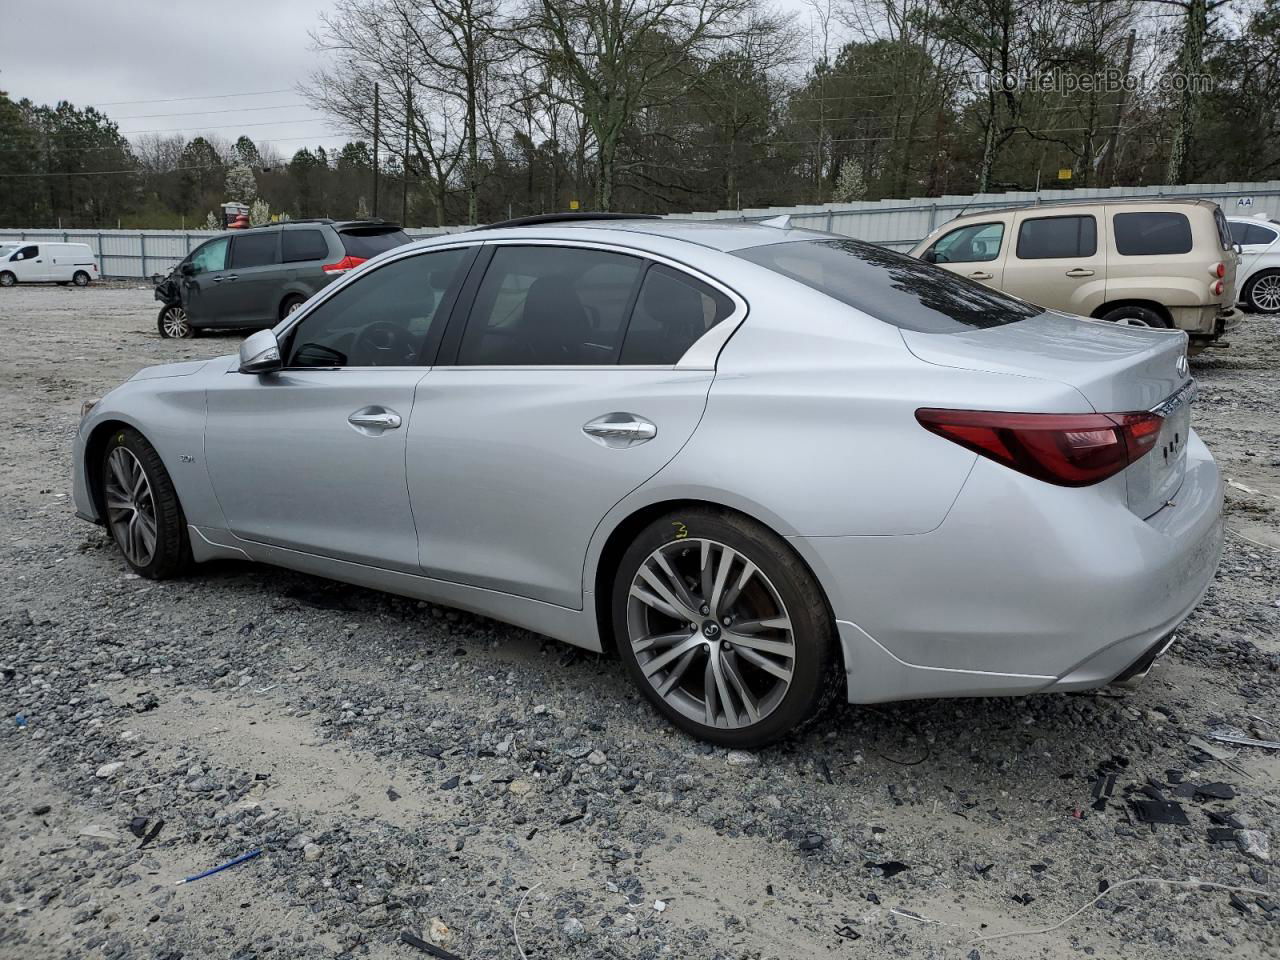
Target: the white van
pixel 42 262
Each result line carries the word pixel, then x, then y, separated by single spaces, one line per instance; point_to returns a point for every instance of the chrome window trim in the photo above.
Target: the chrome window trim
pixel 702 353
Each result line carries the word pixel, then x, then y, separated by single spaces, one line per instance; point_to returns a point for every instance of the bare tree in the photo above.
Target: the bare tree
pixel 624 58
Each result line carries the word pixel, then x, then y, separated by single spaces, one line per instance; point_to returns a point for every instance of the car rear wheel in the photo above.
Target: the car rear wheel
pixel 142 509
pixel 174 323
pixel 1136 316
pixel 290 305
pixel 1262 295
pixel 7 279
pixel 80 279
pixel 724 629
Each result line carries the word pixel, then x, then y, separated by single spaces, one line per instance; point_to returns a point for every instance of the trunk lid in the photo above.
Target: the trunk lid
pixel 1116 368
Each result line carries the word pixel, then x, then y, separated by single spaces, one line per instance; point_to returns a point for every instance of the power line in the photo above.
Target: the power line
pixel 202 113
pixel 212 96
pixel 225 126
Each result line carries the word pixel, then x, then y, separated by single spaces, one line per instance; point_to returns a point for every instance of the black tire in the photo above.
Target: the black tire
pixel 7 279
pixel 80 278
pixel 817 677
pixel 172 552
pixel 291 304
pixel 1137 316
pixel 170 326
pixel 1268 279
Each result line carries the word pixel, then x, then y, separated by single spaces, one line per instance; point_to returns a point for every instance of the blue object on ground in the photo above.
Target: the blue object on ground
pixel 230 863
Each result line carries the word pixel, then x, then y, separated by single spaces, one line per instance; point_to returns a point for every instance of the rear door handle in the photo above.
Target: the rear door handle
pixel 981 276
pixel 620 429
pixel 1079 272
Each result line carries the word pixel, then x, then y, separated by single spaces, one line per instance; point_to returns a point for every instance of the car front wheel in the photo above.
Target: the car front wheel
pixel 142 508
pixel 724 629
pixel 1263 292
pixel 174 323
pixel 7 279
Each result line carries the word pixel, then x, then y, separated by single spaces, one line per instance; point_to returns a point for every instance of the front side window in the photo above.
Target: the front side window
pixel 1057 238
pixel 387 317
pixel 892 287
pixel 27 253
pixel 212 256
pixel 254 250
pixel 672 312
pixel 1151 234
pixel 975 243
pixel 550 306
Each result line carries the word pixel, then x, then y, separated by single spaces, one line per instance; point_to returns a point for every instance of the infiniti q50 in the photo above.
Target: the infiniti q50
pixel 768 467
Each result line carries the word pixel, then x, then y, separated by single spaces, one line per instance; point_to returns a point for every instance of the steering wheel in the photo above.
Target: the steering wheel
pixel 383 344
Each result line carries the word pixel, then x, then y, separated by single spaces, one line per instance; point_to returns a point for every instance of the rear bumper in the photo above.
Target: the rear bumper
pixel 1024 588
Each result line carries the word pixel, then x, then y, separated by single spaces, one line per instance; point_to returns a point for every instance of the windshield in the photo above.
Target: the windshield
pixel 889 286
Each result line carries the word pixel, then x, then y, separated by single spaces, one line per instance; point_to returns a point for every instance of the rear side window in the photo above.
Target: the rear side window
pixel 550 306
pixel 368 242
pixel 1151 234
pixel 1054 238
pixel 890 286
pixel 298 245
pixel 672 311
pixel 1256 235
pixel 254 250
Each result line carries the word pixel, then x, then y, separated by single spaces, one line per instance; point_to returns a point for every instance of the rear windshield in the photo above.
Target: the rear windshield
pixel 368 242
pixel 889 286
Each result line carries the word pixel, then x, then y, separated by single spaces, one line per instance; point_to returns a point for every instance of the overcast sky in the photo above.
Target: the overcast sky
pixel 103 53
pixel 144 61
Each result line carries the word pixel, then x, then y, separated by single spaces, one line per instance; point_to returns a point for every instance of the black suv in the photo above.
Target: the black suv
pixel 250 279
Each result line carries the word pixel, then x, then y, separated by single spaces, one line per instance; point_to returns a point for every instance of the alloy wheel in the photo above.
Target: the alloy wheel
pixel 7 280
pixel 176 324
pixel 1266 293
pixel 1132 322
pixel 711 633
pixel 131 507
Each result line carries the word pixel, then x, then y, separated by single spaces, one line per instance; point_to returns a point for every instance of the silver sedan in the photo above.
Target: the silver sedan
pixel 767 467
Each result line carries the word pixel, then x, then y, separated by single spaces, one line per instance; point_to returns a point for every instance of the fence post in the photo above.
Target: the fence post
pixel 100 256
pixel 933 217
pixel 142 249
pixel 831 220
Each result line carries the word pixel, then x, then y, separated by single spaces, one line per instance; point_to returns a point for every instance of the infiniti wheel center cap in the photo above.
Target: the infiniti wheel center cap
pixel 711 630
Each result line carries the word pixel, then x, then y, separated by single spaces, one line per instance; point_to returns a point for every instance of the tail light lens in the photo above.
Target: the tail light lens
pixel 343 265
pixel 1066 449
pixel 1217 287
pixel 1219 269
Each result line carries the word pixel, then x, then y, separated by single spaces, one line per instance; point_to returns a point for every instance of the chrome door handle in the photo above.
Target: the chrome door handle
pixel 217 279
pixel 981 276
pixel 374 419
pixel 620 429
pixel 1079 272
pixel 234 276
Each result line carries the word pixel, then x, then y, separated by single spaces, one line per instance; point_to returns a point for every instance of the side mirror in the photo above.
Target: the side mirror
pixel 929 256
pixel 187 269
pixel 260 353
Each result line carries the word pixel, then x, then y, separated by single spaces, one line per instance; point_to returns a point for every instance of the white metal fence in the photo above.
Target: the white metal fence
pixel 895 223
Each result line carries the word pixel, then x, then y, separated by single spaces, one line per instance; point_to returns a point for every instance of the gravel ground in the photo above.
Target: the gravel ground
pixel 409 767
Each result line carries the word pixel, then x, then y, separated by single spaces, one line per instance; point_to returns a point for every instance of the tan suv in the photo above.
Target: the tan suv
pixel 1154 263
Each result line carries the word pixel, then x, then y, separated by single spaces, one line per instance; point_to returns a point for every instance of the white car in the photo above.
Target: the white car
pixel 47 263
pixel 1259 274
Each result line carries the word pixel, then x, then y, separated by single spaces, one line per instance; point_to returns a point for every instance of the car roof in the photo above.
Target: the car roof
pixel 1066 206
pixel 722 235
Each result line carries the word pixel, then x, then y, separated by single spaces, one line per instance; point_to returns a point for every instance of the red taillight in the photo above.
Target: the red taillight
pixel 343 265
pixel 1217 287
pixel 1067 449
pixel 1219 269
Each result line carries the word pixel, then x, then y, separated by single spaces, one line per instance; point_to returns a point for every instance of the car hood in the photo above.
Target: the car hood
pixel 184 369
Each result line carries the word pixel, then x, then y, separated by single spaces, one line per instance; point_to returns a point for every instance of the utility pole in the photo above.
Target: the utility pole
pixel 1106 176
pixel 408 112
pixel 375 150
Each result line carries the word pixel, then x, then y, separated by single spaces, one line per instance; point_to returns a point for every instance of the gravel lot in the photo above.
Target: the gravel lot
pixel 409 767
